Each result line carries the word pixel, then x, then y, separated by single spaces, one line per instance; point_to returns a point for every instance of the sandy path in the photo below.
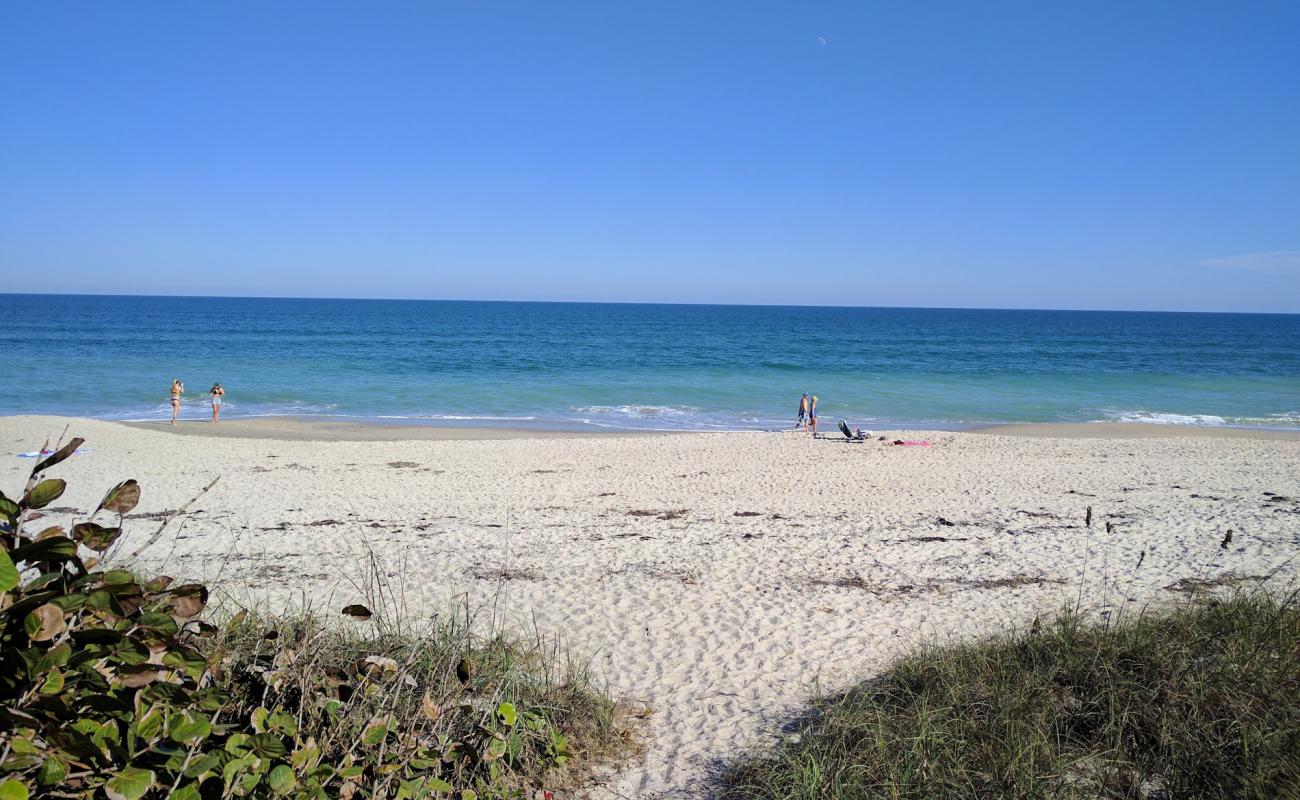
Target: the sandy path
pixel 719 578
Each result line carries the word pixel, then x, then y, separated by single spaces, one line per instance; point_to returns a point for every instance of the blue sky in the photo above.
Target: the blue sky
pixel 1030 154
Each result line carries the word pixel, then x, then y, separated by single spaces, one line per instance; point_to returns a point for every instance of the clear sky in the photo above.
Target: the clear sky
pixel 1007 154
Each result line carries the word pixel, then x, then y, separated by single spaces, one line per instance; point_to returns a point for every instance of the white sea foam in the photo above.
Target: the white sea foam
pixel 1283 420
pixel 1159 418
pixel 457 417
pixel 201 405
pixel 637 410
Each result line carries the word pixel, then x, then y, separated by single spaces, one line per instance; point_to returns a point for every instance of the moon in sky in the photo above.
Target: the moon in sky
pixel 821 40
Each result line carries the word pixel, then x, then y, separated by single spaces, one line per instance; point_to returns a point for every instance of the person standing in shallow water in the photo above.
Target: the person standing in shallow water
pixel 812 415
pixel 178 389
pixel 217 393
pixel 803 413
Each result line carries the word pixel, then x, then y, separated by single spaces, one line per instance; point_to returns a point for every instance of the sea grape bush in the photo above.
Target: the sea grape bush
pixel 112 686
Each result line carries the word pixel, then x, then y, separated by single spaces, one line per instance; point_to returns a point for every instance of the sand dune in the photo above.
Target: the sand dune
pixel 720 579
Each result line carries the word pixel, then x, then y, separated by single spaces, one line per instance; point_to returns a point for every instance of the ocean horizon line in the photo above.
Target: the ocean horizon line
pixel 650 303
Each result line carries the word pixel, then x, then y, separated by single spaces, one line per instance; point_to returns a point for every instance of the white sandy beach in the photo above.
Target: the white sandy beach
pixel 720 579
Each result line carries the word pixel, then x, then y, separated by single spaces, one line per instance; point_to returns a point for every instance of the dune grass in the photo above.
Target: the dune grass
pixel 443 684
pixel 1198 702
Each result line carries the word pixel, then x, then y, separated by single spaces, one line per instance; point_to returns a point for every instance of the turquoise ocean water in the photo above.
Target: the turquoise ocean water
pixel 577 365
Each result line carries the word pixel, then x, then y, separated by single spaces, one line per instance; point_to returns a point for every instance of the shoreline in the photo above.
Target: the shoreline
pixel 335 429
pixel 306 429
pixel 1132 430
pixel 309 429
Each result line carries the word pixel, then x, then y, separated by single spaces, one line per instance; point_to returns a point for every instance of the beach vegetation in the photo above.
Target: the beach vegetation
pixel 1201 701
pixel 127 688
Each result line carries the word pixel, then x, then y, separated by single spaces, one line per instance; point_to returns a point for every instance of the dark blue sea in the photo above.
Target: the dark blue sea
pixel 576 365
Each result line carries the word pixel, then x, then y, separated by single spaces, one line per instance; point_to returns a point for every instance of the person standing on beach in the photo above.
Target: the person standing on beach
pixel 217 393
pixel 812 415
pixel 178 389
pixel 803 413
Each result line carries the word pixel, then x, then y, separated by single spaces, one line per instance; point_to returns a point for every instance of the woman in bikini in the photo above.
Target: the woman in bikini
pixel 178 389
pixel 217 393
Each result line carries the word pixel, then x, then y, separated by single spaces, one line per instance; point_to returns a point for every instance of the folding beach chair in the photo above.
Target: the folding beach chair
pixel 850 435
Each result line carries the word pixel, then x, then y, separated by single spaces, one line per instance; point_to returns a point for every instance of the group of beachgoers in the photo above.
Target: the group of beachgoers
pixel 178 389
pixel 807 413
pixel 808 421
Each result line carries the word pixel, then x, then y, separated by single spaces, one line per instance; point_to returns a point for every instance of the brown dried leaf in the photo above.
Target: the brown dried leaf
pixel 188 600
pixel 65 451
pixel 45 622
pixel 122 497
pixel 377 666
pixel 431 709
pixel 158 584
pixel 358 612
pixel 133 677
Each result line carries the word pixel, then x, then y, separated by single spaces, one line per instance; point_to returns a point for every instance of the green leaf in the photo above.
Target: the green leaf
pixel 237 744
pixel 558 747
pixel 11 789
pixel 161 623
pixel 188 660
pixel 55 548
pixel 41 581
pixel 149 724
pixel 199 766
pixel 130 784
pixel 17 763
pixel 439 785
pixel 507 715
pixel 211 698
pixel 54 657
pixel 236 766
pixel 8 572
pixel 44 493
pixel 22 746
pixel 284 722
pixel 52 771
pixel 307 755
pixel 53 683
pixel 269 745
pixel 189 791
pixel 189 727
pixel 122 497
pixel 281 779
pixel 374 732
